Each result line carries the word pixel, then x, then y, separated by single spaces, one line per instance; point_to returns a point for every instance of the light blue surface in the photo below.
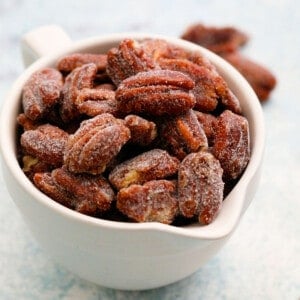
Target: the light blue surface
pixel 262 259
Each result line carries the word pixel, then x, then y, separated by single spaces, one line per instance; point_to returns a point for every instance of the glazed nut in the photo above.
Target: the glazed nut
pixel 210 88
pixel 80 78
pixel 127 60
pixel 46 143
pixel 231 144
pixel 150 165
pixel 260 78
pixel 72 61
pixel 200 187
pixel 154 201
pixel 26 123
pixel 41 92
pixel 156 93
pixel 207 122
pixel 182 135
pixel 84 193
pixel 93 102
pixel 143 132
pixel 95 144
pixel 216 39
pixel 158 48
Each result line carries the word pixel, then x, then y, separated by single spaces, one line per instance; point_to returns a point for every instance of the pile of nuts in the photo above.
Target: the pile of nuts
pixel 146 132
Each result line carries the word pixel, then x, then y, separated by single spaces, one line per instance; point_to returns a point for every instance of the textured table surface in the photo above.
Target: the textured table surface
pixel 262 259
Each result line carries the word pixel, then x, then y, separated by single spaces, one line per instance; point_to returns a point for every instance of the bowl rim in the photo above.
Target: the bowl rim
pixel 216 229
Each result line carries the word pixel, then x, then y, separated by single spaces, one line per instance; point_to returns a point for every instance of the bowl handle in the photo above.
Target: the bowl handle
pixel 43 41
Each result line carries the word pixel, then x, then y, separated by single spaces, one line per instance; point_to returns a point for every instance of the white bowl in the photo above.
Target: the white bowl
pixel 114 254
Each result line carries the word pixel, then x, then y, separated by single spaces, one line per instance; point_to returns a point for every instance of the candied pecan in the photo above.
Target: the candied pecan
pixel 158 48
pixel 93 102
pixel 91 193
pixel 207 121
pixel 143 132
pixel 261 79
pixel 45 183
pixel 182 135
pixel 150 165
pixel 26 123
pixel 78 79
pixel 84 193
pixel 95 143
pixel 204 90
pixel 210 88
pixel 200 186
pixel 72 61
pixel 152 202
pixel 216 39
pixel 41 92
pixel 127 60
pixel 200 60
pixel 46 143
pixel 157 93
pixel 231 143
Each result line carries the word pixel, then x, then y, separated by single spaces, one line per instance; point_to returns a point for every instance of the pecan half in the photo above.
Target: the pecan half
pixel 95 143
pixel 91 193
pixel 158 48
pixel 210 88
pixel 200 186
pixel 127 60
pixel 84 193
pixel 72 61
pixel 93 102
pixel 150 165
pixel 261 79
pixel 154 201
pixel 46 143
pixel 182 135
pixel 216 39
pixel 41 92
pixel 231 144
pixel 78 79
pixel 157 93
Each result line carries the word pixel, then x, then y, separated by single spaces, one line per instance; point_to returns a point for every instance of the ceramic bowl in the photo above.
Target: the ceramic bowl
pixel 115 254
